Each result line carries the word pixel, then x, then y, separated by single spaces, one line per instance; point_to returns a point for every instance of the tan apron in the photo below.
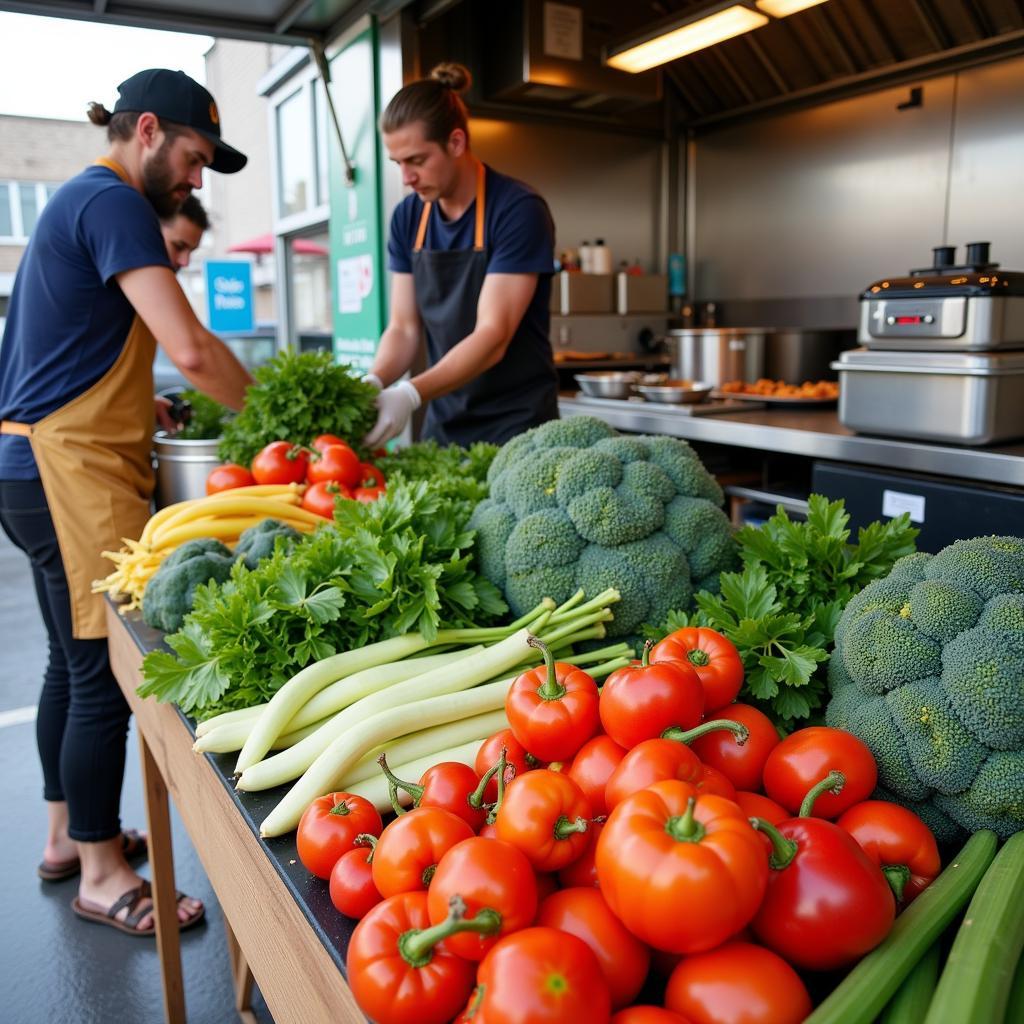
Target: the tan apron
pixel 93 456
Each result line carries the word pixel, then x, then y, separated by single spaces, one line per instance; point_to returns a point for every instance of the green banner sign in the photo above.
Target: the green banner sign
pixel 356 231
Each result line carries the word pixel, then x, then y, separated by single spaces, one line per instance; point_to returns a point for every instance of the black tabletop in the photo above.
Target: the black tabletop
pixel 309 892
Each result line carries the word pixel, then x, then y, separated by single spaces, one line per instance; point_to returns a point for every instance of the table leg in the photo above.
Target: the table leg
pixel 241 977
pixel 165 900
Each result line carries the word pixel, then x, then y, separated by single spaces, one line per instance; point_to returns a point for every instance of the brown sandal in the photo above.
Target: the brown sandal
pixel 133 845
pixel 131 900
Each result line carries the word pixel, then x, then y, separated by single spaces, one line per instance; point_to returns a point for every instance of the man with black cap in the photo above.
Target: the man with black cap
pixel 94 294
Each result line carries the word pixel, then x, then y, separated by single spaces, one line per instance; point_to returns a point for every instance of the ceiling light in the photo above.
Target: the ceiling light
pixel 784 8
pixel 680 36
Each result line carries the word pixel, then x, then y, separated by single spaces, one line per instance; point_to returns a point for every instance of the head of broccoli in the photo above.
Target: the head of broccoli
pixel 170 593
pixel 929 671
pixel 575 505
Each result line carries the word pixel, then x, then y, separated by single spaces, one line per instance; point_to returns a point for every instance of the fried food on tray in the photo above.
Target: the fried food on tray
pixel 819 389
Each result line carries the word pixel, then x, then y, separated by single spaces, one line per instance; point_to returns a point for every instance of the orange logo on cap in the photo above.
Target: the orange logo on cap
pixel 213 113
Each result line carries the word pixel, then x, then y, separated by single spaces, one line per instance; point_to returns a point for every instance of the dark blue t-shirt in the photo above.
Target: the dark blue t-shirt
pixel 67 320
pixel 518 238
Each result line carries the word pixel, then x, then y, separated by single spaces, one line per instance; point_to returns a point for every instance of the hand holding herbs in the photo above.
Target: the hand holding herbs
pixel 781 610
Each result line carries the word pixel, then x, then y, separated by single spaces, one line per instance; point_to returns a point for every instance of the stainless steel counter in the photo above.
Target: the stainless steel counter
pixel 815 433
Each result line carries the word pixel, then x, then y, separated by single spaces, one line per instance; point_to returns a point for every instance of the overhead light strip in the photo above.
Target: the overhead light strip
pixel 784 8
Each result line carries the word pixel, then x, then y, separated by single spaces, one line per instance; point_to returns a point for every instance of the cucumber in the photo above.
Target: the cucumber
pixel 975 984
pixel 1015 1007
pixel 863 993
pixel 910 1004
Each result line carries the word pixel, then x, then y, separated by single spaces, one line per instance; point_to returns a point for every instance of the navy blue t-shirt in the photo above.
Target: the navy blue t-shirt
pixel 67 320
pixel 518 238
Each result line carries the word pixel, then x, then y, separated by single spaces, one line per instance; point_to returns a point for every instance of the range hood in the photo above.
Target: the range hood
pixel 539 50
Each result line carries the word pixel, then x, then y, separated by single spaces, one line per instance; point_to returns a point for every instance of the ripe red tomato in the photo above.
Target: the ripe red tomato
pixel 639 702
pixel 546 815
pixel 713 781
pixel 280 463
pixel 228 477
pixel 741 765
pixel 539 976
pixel 328 828
pixel 713 656
pixel 649 762
pixel 582 872
pixel 738 983
pixel 410 848
pixel 755 805
pixel 516 757
pixel 806 757
pixel 448 784
pixel 371 476
pixel 552 710
pixel 485 873
pixel 319 498
pixel 683 871
pixel 642 1014
pixel 367 494
pixel 351 887
pixel 323 441
pixel 592 767
pixel 337 463
pixel 624 959
pixel 394 984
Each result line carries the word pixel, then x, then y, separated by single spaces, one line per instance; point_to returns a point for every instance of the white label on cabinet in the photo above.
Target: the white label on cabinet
pixel 896 502
pixel 563 31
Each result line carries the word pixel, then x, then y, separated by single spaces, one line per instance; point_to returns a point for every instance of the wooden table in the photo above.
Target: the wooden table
pixel 282 930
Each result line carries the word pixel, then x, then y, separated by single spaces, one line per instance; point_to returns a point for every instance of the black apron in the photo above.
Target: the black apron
pixel 519 392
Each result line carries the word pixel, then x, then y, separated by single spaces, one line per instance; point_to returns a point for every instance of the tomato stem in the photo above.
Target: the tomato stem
pixel 505 776
pixel 471 1011
pixel 684 828
pixel 340 809
pixel 783 849
pixel 395 784
pixel 416 946
pixel 645 656
pixel 897 875
pixel 365 839
pixel 738 729
pixel 832 783
pixel 565 828
pixel 476 798
pixel 551 688
pixel 698 657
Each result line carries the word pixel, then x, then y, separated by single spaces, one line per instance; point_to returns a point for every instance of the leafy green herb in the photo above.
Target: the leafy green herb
pixel 295 398
pixel 206 420
pixel 781 611
pixel 399 564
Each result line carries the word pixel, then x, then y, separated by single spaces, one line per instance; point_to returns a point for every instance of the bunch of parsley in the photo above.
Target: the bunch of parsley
pixel 399 564
pixel 206 420
pixel 781 610
pixel 295 398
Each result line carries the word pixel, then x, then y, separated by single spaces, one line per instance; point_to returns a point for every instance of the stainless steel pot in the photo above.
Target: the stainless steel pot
pixel 797 354
pixel 718 354
pixel 182 467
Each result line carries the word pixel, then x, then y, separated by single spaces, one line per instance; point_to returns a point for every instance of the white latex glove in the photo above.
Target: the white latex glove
pixel 394 407
pixel 372 378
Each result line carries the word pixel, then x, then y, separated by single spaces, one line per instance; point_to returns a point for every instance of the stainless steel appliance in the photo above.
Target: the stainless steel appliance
pixel 182 467
pixel 959 397
pixel 717 354
pixel 968 307
pixel 799 354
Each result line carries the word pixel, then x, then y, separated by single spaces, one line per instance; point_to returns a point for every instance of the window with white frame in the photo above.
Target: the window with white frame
pixel 21 202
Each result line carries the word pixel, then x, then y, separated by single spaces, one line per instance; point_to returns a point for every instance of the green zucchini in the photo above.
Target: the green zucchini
pixel 975 984
pixel 864 992
pixel 1015 1007
pixel 910 1004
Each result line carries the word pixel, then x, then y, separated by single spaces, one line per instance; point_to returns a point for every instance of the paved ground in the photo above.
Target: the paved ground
pixel 54 968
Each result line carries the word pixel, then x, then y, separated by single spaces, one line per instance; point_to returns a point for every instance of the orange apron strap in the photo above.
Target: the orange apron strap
pixel 111 165
pixel 20 429
pixel 478 235
pixel 421 231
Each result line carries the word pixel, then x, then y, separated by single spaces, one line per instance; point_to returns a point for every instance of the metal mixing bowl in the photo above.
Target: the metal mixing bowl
pixel 607 384
pixel 676 392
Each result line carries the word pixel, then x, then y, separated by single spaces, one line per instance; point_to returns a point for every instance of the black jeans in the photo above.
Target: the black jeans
pixel 82 724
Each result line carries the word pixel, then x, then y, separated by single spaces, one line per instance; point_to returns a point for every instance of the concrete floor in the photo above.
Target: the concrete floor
pixel 54 968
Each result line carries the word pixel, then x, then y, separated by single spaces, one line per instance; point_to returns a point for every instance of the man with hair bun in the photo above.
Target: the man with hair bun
pixel 93 296
pixel 472 254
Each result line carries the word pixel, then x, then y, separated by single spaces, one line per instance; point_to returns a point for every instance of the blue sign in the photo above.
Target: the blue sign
pixel 229 295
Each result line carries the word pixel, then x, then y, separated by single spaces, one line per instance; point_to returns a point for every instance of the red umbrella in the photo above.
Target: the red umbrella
pixel 264 244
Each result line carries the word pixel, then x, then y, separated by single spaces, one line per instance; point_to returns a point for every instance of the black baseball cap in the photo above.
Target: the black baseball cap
pixel 173 96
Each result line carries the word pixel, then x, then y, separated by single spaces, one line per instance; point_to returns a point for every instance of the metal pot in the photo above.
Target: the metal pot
pixel 182 467
pixel 797 354
pixel 718 354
